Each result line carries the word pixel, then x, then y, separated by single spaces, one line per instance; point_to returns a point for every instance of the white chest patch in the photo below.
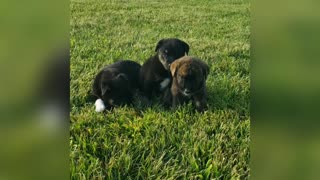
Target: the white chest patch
pixel 164 84
pixel 99 105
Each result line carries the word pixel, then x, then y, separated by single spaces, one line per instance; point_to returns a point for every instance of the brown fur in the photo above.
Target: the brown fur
pixel 189 76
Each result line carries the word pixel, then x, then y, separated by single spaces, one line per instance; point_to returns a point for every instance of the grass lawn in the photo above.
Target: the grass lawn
pixel 154 143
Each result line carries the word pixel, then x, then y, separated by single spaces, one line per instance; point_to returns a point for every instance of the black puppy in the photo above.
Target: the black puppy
pixel 115 84
pixel 155 72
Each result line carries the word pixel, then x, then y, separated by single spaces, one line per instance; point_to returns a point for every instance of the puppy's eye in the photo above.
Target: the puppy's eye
pixel 165 51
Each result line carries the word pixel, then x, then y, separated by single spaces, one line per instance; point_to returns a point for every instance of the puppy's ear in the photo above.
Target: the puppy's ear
pixel 104 90
pixel 121 76
pixel 159 44
pixel 174 66
pixel 185 47
pixel 204 68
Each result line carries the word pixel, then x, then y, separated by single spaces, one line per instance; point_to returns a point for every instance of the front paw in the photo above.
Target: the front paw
pixel 201 106
pixel 99 105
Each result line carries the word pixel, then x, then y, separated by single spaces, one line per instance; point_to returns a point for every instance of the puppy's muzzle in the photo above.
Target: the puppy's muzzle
pixel 166 60
pixel 188 92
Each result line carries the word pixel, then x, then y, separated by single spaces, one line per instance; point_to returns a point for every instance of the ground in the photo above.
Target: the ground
pixel 154 143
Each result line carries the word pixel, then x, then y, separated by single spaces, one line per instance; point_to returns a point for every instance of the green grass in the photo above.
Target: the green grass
pixel 155 143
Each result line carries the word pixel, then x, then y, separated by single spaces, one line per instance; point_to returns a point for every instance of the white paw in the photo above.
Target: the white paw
pixel 99 105
pixel 164 84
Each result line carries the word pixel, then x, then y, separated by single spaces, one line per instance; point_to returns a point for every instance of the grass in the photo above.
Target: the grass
pixel 154 143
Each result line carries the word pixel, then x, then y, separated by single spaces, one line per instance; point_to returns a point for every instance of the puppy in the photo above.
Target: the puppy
pixel 189 82
pixel 115 84
pixel 155 72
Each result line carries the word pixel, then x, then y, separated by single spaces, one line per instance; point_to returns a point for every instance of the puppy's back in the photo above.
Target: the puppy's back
pixel 128 67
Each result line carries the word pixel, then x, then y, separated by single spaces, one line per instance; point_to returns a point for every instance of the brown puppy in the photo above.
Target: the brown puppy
pixel 189 82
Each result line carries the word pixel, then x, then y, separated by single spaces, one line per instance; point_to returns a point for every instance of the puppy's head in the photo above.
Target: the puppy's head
pixel 171 49
pixel 114 86
pixel 189 74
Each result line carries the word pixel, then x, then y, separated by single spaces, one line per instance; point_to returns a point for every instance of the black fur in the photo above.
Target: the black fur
pixel 117 82
pixel 157 67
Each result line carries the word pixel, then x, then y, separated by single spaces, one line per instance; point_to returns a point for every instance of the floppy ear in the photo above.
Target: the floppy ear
pixel 104 89
pixel 174 66
pixel 185 47
pixel 121 76
pixel 204 68
pixel 159 44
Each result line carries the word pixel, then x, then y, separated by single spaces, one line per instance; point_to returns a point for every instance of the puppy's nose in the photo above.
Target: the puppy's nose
pixel 170 59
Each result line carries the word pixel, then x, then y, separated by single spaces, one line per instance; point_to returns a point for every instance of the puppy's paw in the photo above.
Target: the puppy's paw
pixel 164 84
pixel 99 105
pixel 201 107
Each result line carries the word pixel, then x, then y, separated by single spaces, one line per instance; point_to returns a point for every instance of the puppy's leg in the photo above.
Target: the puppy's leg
pixel 176 96
pixel 164 84
pixel 146 95
pixel 201 104
pixel 177 100
pixel 200 101
pixel 167 98
pixel 148 89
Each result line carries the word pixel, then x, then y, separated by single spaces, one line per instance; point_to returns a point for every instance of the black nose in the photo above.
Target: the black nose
pixel 170 60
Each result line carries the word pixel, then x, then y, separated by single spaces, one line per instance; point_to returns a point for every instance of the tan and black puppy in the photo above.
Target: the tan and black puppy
pixel 189 82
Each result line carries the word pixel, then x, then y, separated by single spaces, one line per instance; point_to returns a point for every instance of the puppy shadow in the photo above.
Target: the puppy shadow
pixel 142 104
pixel 139 104
pixel 219 98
